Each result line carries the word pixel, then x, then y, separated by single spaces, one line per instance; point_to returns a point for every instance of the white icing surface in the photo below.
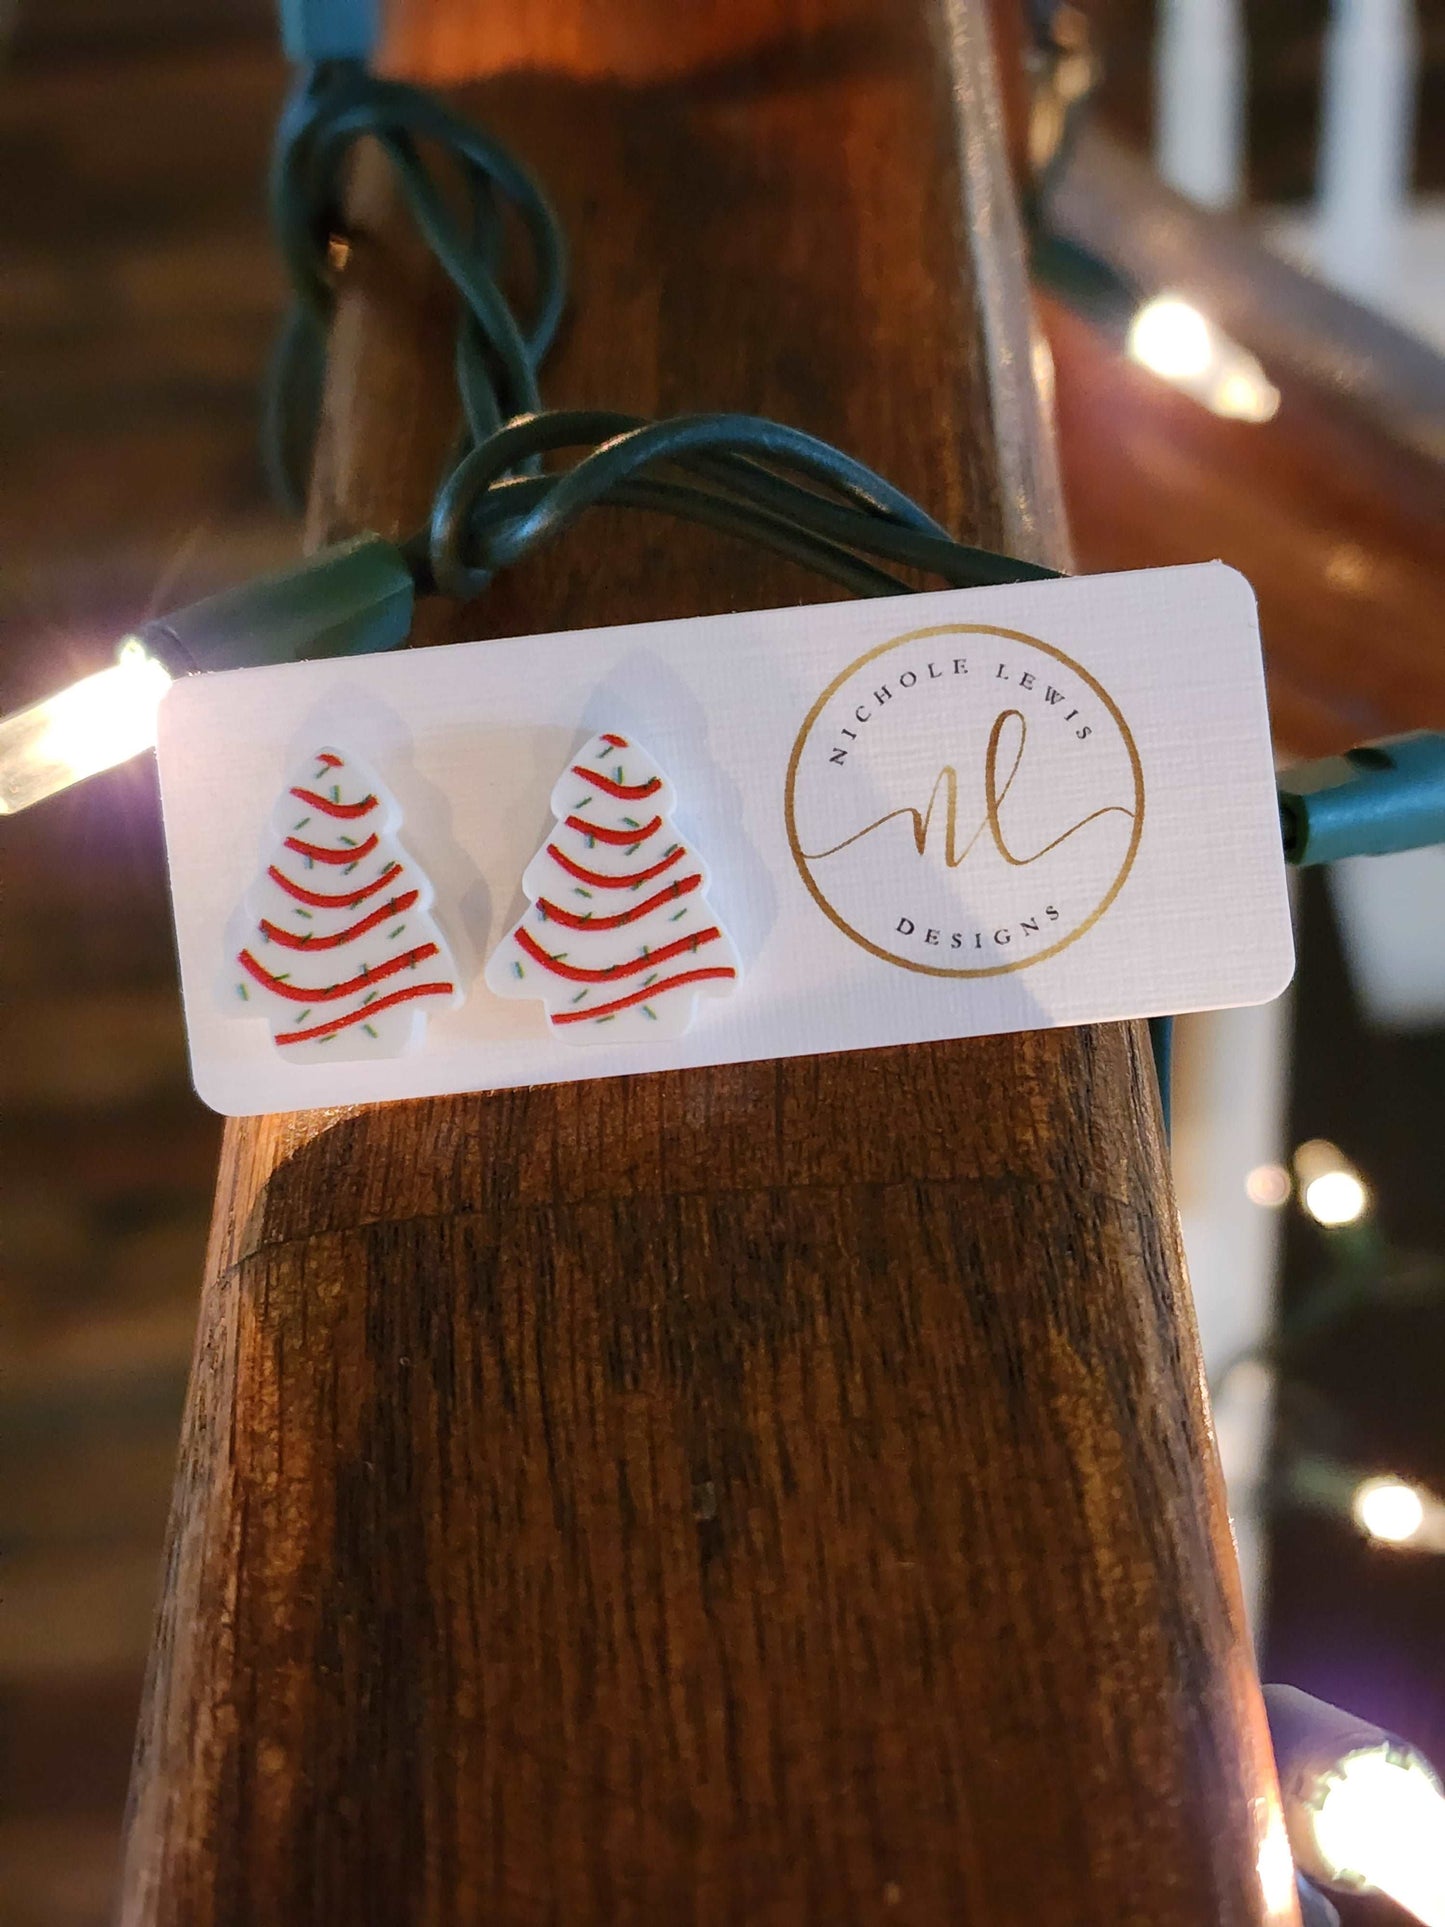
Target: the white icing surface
pixel 617 911
pixel 373 962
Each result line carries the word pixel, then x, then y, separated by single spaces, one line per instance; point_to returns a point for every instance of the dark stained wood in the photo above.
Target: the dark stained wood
pixel 766 1494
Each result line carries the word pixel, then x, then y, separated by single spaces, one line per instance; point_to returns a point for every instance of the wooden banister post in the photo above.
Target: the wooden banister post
pixel 777 1493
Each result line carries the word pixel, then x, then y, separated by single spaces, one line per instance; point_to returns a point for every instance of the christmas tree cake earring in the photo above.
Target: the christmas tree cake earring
pixel 342 956
pixel 620 938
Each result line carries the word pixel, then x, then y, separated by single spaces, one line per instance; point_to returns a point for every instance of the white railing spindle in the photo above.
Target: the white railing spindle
pixel 1199 86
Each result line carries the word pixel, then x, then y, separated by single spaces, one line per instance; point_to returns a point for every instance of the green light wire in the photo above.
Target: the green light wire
pixel 734 472
pixel 498 354
pixel 742 474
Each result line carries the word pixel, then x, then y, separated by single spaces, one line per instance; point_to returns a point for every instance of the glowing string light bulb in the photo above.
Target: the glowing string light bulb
pixel 1365 1811
pixel 1336 1198
pixel 1173 340
pixel 1380 1823
pixel 348 600
pixel 1389 1509
pixel 1393 1512
pixel 1332 1190
pixel 91 726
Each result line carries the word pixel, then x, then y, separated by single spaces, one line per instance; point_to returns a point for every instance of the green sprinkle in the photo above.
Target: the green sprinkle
pixel 582 803
pixel 632 822
pixel 647 1011
pixel 301 1016
pixel 395 933
pixel 580 995
pixel 678 913
pixel 282 976
pixel 517 970
pixel 347 871
pixel 245 994
pixel 649 980
pixel 349 841
pixel 309 915
pixel 336 792
pixel 301 825
pixel 369 1031
pixel 368 997
pixel 578 891
pixel 605 1020
pixel 618 777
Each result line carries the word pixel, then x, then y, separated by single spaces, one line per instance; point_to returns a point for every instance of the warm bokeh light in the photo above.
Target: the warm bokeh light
pixel 1172 339
pixel 1268 1185
pixel 1380 1823
pixel 1331 1188
pixel 1389 1509
pixel 1335 1198
pixel 93 725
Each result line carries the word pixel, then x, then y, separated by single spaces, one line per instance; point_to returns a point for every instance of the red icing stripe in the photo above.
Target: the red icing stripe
pixel 614 971
pixel 625 792
pixel 605 882
pixel 320 855
pixel 571 921
pixel 296 994
pixel 346 901
pixel 643 996
pixel 324 803
pixel 617 742
pixel 332 762
pixel 289 940
pixel 625 838
pixel 366 1012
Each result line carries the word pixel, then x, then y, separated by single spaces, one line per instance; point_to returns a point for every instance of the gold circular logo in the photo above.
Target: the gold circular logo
pixel 964 801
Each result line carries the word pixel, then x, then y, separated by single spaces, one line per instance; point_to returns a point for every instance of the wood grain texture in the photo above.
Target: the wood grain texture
pixel 774 1493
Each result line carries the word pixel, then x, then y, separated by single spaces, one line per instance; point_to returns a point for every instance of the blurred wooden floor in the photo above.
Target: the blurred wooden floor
pixel 137 294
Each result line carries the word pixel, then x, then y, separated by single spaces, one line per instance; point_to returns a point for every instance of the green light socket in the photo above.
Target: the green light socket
pixel 1372 801
pixel 350 600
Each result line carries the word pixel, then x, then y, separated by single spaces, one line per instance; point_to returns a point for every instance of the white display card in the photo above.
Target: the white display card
pixel 734 837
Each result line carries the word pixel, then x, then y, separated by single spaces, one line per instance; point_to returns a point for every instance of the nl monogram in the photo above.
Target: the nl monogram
pixel 964 801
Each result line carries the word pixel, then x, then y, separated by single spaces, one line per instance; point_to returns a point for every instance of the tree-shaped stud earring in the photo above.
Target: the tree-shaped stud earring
pixel 620 939
pixel 342 956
